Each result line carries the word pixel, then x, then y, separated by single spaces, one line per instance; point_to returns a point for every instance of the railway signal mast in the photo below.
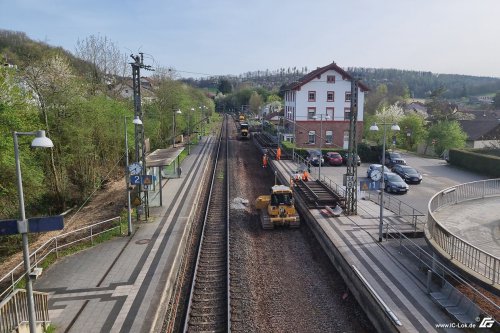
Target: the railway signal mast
pixel 352 172
pixel 140 149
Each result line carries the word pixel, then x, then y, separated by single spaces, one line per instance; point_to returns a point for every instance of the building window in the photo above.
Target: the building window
pixel 330 96
pixel 312 137
pixel 330 79
pixel 347 113
pixel 329 137
pixel 347 96
pixel 329 112
pixel 311 96
pixel 311 113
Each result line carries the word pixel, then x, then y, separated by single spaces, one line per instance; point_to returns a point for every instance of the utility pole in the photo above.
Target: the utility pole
pixel 140 149
pixel 352 170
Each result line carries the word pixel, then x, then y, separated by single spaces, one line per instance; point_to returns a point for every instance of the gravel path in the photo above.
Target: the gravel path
pixel 282 280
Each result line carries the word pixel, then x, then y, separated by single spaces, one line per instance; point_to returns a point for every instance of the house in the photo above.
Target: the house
pixel 125 89
pixel 318 106
pixel 483 130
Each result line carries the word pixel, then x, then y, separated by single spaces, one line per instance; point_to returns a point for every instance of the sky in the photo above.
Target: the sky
pixel 221 37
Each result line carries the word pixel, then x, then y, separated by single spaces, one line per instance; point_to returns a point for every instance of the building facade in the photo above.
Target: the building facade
pixel 318 106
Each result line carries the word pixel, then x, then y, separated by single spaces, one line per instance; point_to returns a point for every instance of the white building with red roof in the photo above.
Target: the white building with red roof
pixel 320 104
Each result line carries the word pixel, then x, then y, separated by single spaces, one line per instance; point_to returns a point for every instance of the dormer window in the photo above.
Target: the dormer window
pixel 330 79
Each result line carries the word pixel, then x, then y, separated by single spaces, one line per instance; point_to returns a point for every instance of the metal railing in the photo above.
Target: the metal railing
pixel 402 210
pixel 473 258
pixel 9 281
pixel 14 310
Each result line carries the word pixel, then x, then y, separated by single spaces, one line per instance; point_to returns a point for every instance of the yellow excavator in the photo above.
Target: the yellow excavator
pixel 278 208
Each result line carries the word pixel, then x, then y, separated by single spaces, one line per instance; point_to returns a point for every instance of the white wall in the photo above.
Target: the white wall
pixel 340 87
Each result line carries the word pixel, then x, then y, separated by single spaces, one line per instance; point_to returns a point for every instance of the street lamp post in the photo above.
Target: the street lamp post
pixel 189 130
pixel 292 115
pixel 203 118
pixel 42 141
pixel 374 127
pixel 137 121
pixel 321 141
pixel 173 121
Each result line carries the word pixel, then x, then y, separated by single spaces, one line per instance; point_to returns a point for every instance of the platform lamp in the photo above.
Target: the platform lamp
pixel 321 141
pixel 40 141
pixel 138 122
pixel 374 127
pixel 173 121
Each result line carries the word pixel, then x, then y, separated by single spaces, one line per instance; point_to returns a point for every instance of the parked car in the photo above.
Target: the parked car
pixel 409 174
pixel 345 157
pixel 333 158
pixel 393 158
pixel 394 183
pixel 372 167
pixel 314 157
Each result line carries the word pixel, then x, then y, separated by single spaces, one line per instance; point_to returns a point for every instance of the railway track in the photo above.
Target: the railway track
pixel 317 194
pixel 208 307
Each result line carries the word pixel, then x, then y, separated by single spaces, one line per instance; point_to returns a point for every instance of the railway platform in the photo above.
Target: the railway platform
pixel 387 282
pixel 119 285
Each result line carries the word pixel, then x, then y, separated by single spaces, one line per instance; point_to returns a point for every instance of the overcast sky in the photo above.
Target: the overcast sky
pixel 235 36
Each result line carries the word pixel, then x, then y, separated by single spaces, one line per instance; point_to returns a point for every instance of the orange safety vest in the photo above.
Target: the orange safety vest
pixel 264 160
pixel 278 153
pixel 305 176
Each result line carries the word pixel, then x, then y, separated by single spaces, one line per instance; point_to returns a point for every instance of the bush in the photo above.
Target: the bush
pixel 476 162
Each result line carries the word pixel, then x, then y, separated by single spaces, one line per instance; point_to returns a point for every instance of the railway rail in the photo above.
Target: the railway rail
pixel 208 306
pixel 317 194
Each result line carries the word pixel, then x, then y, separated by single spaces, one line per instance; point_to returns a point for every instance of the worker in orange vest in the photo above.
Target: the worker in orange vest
pixel 278 154
pixel 305 176
pixel 264 160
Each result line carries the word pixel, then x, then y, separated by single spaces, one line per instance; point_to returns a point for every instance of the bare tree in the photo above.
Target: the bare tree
pixel 106 60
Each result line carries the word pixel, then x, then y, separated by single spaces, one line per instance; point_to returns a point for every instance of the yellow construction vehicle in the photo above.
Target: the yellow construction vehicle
pixel 242 118
pixel 278 208
pixel 244 131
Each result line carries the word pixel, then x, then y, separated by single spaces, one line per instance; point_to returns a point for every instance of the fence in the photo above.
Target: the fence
pixel 9 282
pixel 14 310
pixel 475 259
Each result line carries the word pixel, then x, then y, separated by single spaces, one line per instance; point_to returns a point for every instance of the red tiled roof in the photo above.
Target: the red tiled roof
pixel 320 70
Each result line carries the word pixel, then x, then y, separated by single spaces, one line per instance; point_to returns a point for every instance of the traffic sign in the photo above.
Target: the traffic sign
pixel 35 224
pixel 147 179
pixel 135 180
pixel 137 201
pixel 8 227
pixel 44 224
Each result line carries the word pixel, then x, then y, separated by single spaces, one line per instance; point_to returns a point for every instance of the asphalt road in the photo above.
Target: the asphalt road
pixel 437 175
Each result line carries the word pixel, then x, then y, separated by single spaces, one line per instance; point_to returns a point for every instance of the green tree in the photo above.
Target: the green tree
pixel 17 113
pixel 446 134
pixel 496 100
pixel 273 98
pixel 225 86
pixel 255 102
pixel 413 131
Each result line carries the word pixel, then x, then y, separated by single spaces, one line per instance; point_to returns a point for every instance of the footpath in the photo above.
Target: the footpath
pixel 121 285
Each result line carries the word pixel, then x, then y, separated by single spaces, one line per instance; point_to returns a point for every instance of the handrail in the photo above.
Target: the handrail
pixel 55 244
pixel 14 310
pixel 470 256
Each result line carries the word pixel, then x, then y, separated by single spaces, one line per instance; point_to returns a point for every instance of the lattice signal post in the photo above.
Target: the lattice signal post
pixel 352 170
pixel 140 149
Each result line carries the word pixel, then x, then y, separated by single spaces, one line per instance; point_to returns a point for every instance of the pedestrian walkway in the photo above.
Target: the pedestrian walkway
pixel 119 285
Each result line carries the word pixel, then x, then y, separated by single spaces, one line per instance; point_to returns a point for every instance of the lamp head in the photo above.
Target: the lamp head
pixel 178 111
pixel 374 127
pixel 41 140
pixel 137 120
pixel 395 127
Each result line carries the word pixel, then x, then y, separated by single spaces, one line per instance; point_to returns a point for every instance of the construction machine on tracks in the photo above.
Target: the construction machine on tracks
pixel 278 208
